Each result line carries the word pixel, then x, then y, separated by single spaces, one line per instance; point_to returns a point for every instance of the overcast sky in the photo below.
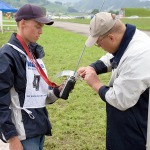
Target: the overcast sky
pixel 64 1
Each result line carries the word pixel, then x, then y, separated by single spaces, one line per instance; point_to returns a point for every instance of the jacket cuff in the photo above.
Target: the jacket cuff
pixel 99 67
pixel 53 95
pixel 8 136
pixel 102 92
pixel 56 92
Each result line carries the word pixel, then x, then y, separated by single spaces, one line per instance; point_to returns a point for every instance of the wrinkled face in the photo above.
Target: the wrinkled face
pixel 30 30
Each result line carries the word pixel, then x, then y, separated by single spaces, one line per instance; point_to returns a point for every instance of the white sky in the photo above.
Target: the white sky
pixel 64 1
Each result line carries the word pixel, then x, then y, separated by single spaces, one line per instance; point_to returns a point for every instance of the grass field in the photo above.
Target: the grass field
pixel 141 12
pixel 79 122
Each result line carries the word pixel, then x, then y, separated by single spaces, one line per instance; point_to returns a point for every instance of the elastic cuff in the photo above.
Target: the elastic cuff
pixel 102 92
pixel 56 92
pixel 8 136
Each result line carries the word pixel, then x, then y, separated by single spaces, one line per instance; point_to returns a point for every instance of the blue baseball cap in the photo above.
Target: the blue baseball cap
pixel 34 12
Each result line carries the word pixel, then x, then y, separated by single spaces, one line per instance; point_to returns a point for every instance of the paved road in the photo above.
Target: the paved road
pixel 77 28
pixel 74 27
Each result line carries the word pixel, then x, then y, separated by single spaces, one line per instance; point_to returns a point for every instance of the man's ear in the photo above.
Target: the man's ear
pixel 111 37
pixel 23 22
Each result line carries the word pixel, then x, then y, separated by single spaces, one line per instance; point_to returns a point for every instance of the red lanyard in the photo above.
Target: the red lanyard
pixel 36 64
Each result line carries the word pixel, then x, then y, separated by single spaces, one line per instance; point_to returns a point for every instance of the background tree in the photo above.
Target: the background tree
pixel 95 11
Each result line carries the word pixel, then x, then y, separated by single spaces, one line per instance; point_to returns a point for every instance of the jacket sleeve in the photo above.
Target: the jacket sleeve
pixel 103 65
pixel 7 127
pixel 132 80
pixel 53 95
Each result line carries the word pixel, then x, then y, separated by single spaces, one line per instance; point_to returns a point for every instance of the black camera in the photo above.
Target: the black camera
pixel 68 87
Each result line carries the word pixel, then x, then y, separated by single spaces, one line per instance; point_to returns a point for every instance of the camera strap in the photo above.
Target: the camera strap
pixel 36 64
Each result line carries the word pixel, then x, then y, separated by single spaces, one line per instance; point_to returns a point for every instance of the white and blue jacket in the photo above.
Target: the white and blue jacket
pixel 13 76
pixel 127 94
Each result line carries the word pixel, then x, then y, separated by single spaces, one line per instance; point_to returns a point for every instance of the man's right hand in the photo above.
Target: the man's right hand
pixel 82 71
pixel 15 144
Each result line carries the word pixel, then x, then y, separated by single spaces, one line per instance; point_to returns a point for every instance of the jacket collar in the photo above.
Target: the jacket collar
pixel 130 30
pixel 34 47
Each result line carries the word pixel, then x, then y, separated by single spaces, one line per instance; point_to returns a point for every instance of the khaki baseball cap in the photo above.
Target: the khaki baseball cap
pixel 100 24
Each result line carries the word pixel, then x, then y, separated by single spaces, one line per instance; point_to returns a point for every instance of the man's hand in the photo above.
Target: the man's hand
pixel 90 76
pixel 15 144
pixel 82 71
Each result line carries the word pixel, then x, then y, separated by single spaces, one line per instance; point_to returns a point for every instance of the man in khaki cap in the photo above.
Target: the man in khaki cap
pixel 127 94
pixel 99 26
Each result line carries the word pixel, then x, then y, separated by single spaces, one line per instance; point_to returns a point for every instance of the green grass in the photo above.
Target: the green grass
pixel 141 12
pixel 79 122
pixel 140 23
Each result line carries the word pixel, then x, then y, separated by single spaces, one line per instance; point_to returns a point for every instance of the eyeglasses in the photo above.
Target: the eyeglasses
pixel 100 39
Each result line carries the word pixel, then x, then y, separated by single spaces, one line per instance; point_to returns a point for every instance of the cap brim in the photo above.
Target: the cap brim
pixel 91 41
pixel 44 20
